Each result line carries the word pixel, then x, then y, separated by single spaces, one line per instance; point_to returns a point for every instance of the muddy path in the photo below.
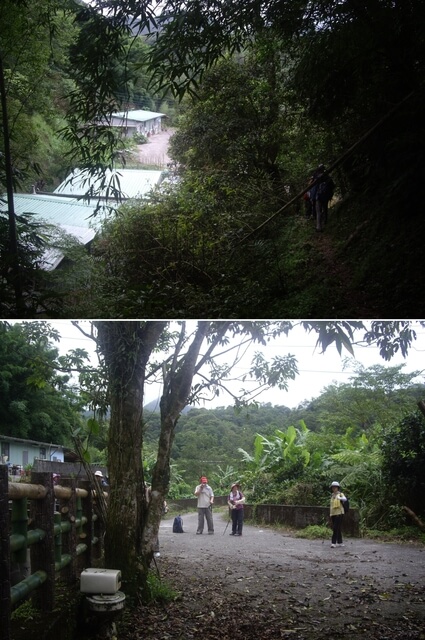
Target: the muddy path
pixel 268 584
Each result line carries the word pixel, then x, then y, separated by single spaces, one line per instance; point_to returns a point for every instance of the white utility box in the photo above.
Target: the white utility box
pixel 100 581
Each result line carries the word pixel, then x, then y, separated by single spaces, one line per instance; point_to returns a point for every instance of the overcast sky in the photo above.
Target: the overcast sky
pixel 317 370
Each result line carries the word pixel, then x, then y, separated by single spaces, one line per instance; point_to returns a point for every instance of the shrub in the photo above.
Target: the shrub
pixel 313 531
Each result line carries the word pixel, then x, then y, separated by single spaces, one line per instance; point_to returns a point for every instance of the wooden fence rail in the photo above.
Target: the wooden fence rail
pixel 60 528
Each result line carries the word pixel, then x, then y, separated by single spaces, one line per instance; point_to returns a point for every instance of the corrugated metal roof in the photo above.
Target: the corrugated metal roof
pixel 54 209
pixel 69 215
pixel 138 115
pixel 35 442
pixel 131 183
pixel 82 234
pixel 53 256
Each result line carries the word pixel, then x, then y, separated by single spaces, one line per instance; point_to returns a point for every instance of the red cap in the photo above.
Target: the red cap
pixel 204 479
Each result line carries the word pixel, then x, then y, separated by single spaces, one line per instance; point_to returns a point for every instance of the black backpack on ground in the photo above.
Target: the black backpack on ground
pixel 178 525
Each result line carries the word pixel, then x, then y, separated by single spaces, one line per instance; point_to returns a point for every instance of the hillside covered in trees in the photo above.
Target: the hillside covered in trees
pixel 267 91
pixel 367 433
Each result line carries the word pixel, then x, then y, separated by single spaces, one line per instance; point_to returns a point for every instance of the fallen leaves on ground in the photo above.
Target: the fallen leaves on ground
pixel 247 606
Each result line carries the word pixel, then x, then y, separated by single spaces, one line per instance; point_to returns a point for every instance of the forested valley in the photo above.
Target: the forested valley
pixel 261 94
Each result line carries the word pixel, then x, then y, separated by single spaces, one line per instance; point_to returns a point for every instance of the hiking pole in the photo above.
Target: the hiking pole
pixel 226 526
pixel 230 517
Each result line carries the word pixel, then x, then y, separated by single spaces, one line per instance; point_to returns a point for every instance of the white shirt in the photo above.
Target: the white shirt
pixel 205 495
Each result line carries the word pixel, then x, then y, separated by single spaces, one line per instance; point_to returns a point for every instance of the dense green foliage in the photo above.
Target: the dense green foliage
pixel 34 41
pixel 403 451
pixel 36 401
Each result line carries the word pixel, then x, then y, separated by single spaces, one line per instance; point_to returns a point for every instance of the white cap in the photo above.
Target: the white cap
pixel 98 473
pixel 335 484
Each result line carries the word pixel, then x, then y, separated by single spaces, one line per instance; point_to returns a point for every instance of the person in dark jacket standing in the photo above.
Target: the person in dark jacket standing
pixel 236 501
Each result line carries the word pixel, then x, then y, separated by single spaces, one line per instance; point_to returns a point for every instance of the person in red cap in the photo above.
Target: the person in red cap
pixel 205 496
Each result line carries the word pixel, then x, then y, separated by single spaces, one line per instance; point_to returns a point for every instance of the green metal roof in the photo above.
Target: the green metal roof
pixel 131 183
pixel 54 209
pixel 67 214
pixel 138 115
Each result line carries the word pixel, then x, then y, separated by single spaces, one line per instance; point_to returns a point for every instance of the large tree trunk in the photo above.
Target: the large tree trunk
pixel 126 347
pixel 132 524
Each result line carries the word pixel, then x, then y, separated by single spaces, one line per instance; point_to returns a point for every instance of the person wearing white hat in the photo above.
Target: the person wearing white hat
pixel 102 480
pixel 236 501
pixel 337 513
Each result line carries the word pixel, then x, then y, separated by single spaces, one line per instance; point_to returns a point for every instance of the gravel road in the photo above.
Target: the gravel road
pixel 269 584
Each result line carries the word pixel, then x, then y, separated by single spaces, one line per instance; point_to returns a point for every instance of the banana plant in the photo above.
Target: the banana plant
pixel 274 452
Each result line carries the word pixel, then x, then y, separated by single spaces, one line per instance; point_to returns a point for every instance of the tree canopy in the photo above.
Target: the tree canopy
pixel 37 400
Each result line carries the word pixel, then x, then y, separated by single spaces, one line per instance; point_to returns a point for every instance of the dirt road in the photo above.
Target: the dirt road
pixel 155 151
pixel 268 584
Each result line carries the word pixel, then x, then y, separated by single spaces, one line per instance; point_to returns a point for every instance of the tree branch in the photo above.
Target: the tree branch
pixel 415 518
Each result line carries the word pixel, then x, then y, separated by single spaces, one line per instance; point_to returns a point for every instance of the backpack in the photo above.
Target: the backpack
pixel 325 189
pixel 178 525
pixel 346 505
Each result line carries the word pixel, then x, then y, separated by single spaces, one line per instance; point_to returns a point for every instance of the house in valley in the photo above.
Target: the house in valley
pixel 17 453
pixel 78 206
pixel 137 121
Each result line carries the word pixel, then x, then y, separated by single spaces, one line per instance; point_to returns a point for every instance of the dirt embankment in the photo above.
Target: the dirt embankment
pixel 268 584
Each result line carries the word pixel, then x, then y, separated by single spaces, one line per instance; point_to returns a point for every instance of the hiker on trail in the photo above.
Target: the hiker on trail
pixel 236 502
pixel 321 194
pixel 205 496
pixel 337 513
